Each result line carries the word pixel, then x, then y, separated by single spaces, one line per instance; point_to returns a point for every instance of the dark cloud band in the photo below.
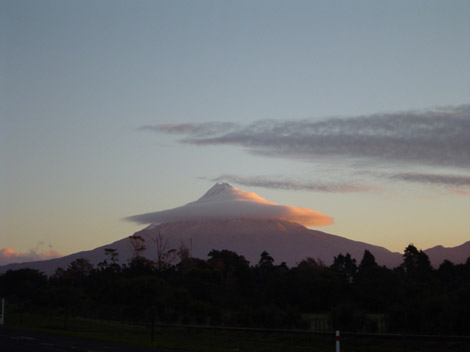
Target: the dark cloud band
pixel 439 137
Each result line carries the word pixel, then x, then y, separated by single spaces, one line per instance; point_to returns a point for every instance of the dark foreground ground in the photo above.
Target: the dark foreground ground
pixel 24 340
pixel 19 340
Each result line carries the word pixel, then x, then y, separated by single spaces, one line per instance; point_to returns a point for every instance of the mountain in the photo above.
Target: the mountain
pixel 228 218
pixel 457 255
pixel 285 241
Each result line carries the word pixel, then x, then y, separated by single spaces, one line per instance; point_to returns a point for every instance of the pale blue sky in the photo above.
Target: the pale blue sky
pixel 79 78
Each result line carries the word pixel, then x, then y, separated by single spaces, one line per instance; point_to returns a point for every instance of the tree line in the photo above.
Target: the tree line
pixel 225 290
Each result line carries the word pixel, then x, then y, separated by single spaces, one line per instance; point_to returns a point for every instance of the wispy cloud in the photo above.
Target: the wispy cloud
pixel 443 180
pixel 9 255
pixel 439 137
pixel 194 129
pixel 276 182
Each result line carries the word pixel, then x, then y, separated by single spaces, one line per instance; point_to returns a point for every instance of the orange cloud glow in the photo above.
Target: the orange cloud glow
pixel 9 255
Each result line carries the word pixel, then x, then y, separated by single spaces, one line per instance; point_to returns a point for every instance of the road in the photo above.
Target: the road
pixel 16 340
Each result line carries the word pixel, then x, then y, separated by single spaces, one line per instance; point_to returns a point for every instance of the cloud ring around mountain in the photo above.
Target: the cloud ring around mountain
pixel 226 202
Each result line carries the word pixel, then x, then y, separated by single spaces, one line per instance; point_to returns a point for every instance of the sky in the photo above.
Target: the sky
pixel 358 110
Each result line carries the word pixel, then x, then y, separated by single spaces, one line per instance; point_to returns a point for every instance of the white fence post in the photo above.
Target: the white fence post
pixel 337 341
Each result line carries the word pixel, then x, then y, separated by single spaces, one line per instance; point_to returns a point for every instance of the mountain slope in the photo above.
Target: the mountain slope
pixel 285 241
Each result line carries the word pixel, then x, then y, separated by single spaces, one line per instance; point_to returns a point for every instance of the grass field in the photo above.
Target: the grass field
pixel 194 339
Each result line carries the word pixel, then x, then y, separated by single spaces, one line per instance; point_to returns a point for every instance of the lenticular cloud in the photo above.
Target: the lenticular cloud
pixel 223 201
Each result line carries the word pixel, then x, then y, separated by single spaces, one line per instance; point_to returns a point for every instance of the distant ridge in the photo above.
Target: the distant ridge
pixel 457 255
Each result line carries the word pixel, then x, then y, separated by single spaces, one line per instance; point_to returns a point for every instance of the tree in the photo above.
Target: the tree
pixel 140 266
pixel 368 263
pixel 165 255
pixel 24 285
pixel 228 262
pixel 345 267
pixel 265 266
pixel 235 270
pixel 314 286
pixel 418 282
pixel 112 254
pixel 447 275
pixel 266 260
pixel 59 275
pixel 138 245
pixel 374 286
pixel 81 266
pixel 78 270
pixel 416 265
pixel 183 252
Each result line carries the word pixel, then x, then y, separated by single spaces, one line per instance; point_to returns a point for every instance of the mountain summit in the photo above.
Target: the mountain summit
pixel 224 201
pixel 221 191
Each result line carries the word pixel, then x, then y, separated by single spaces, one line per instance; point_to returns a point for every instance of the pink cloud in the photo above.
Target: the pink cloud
pixel 9 255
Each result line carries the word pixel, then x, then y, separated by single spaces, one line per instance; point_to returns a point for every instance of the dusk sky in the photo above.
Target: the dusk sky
pixel 359 110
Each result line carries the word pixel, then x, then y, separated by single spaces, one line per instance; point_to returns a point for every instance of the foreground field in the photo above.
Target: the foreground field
pixel 133 337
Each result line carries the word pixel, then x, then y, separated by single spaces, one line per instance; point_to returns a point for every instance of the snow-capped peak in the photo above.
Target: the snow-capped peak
pixel 225 192
pixel 218 191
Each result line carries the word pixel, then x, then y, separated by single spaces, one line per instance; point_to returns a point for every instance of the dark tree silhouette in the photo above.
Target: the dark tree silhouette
pixel 416 264
pixel 138 245
pixel 345 267
pixel 165 255
pixel 367 264
pixel 266 260
pixel 113 254
pixel 226 290
pixel 78 271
